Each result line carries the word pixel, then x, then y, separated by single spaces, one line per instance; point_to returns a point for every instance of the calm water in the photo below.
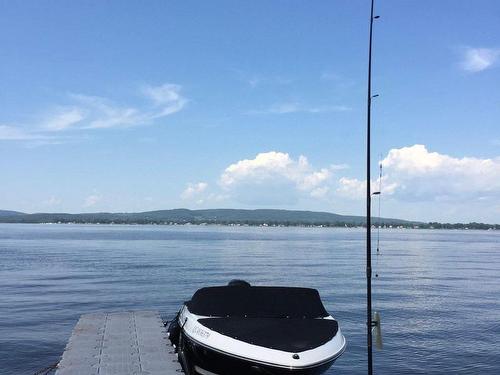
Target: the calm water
pixel 438 291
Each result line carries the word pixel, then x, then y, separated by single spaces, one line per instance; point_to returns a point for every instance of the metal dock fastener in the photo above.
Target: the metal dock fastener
pixel 122 343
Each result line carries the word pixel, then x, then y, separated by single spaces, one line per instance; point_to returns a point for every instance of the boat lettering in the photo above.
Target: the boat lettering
pixel 200 332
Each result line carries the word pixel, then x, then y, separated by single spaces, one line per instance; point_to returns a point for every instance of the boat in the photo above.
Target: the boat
pixel 240 329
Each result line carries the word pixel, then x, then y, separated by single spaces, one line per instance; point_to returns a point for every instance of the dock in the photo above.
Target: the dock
pixel 121 343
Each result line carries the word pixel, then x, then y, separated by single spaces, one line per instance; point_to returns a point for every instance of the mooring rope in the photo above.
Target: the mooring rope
pixel 47 369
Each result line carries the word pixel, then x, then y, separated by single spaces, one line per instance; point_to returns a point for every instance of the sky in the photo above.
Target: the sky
pixel 135 106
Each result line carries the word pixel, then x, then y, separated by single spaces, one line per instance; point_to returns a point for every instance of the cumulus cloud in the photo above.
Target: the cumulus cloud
pixel 194 190
pixel 415 174
pixel 351 188
pixel 275 177
pixel 416 184
pixel 423 174
pixel 478 59
pixel 354 188
pixel 199 194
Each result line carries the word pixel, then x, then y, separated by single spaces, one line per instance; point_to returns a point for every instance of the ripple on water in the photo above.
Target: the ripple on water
pixel 437 291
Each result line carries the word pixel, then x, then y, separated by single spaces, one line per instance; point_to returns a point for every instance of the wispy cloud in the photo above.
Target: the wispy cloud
pixel 341 82
pixel 102 113
pixel 86 112
pixel 330 76
pixel 63 119
pixel 28 137
pixel 478 59
pixel 279 109
pixel 256 80
pixel 167 99
pixel 52 201
pixel 92 200
pixel 294 107
pixel 14 133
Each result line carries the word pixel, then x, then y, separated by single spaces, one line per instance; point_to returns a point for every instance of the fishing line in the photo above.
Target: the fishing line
pixel 379 193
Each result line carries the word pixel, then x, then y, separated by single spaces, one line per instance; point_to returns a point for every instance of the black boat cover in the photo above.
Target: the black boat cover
pixel 257 302
pixel 290 335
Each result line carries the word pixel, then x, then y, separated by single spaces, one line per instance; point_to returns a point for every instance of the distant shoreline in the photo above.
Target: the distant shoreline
pixel 458 226
pixel 231 217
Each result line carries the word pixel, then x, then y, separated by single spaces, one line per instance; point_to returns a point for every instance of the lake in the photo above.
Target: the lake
pixel 438 291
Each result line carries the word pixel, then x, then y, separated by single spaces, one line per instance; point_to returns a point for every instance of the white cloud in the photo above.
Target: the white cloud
pixel 92 112
pixel 328 108
pixel 198 193
pixel 416 183
pixel 351 188
pixel 320 192
pixel 92 200
pixel 338 167
pixel 416 174
pixel 103 113
pixel 354 188
pixel 194 190
pixel 294 107
pixel 478 59
pixel 330 76
pixel 423 174
pixel 13 133
pixel 64 119
pixel 52 201
pixel 28 137
pixel 167 99
pixel 275 177
pixel 282 108
pixel 256 80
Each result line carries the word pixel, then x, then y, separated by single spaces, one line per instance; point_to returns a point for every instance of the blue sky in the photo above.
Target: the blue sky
pixel 132 106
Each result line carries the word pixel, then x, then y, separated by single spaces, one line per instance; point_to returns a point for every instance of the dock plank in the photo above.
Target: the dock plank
pixel 121 343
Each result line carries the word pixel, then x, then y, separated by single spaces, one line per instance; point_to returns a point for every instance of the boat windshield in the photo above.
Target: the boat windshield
pixel 257 302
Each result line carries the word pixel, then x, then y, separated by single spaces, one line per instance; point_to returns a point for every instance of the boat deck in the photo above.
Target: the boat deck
pixel 119 343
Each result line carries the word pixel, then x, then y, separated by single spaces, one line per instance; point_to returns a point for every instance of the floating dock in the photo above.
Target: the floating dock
pixel 122 343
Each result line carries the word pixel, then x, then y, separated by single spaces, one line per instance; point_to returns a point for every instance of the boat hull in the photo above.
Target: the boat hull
pixel 203 360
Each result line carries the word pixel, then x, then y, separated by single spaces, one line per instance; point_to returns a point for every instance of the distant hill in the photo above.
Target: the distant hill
pixel 226 217
pixel 212 216
pixel 10 213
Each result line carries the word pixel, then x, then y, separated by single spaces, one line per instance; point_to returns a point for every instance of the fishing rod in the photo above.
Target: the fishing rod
pixel 370 324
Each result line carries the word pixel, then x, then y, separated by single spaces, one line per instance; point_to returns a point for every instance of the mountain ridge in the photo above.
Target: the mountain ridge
pixel 184 215
pixel 227 216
